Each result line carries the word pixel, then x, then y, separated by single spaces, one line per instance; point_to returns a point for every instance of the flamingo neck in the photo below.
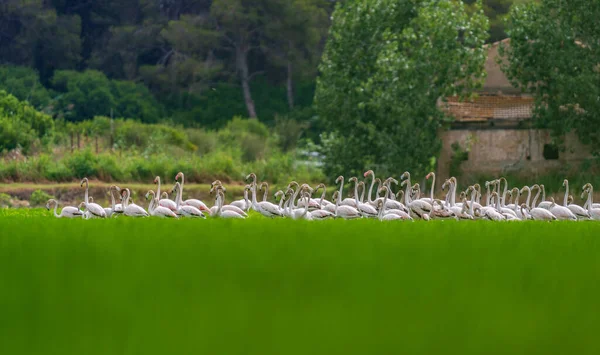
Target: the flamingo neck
pixel 382 210
pixel 87 187
pixel 369 197
pixel 340 192
pixel 322 197
pixel 112 199
pixel 504 193
pixel 356 191
pixel 473 195
pixel 407 193
pixel 56 210
pixel 535 198
pixel 178 196
pixel 566 195
pixel 432 187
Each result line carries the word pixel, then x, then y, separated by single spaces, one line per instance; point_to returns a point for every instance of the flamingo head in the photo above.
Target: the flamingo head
pixel 445 184
pixel 157 179
pixel 179 174
pixel 428 175
pixel 339 178
pixel 150 192
pixel 251 175
pixel 368 172
pixel 320 186
pixel 353 179
pixel 586 186
pixel 570 199
pixel 81 205
pixel 278 193
pixel 405 175
pixel 247 187
pixel 335 195
pixel 382 189
pixel 84 181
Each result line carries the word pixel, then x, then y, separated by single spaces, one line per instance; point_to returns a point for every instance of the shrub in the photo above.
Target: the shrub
pixel 21 125
pixel 24 83
pixel 82 163
pixel 39 198
pixel 205 142
pixel 4 200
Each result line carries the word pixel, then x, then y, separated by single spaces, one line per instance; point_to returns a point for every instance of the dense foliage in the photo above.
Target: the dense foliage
pixel 554 54
pixel 21 125
pixel 384 68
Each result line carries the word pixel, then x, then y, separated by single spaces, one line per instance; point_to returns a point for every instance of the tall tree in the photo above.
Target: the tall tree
pixel 554 53
pixel 295 31
pixel 385 65
pixel 241 26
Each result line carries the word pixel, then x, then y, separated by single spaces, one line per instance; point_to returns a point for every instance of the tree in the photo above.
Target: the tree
pixel 385 65
pixel 295 30
pixel 241 26
pixel 554 54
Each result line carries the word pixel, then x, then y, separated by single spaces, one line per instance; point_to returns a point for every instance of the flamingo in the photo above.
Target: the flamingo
pixel 594 212
pixel 156 210
pixel 95 209
pixel 561 212
pixel 577 210
pixel 417 207
pixel 185 210
pixel 544 204
pixel 225 213
pixel 115 208
pixel 265 208
pixel 365 209
pixel 230 208
pixel 164 202
pixel 192 201
pixel 382 205
pixel 442 212
pixel 539 213
pixel 344 211
pixel 243 204
pixel 66 212
pixel 131 210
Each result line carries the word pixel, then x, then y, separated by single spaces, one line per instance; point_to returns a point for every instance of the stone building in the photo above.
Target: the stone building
pixel 491 134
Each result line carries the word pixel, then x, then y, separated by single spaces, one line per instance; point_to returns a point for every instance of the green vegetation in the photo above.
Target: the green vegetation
pixel 380 51
pixel 554 55
pixel 290 287
pixel 125 151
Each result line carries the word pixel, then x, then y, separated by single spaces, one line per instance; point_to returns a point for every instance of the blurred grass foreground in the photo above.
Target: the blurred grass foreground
pixel 281 287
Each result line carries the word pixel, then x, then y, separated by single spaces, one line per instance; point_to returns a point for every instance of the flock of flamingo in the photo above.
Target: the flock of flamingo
pixel 296 202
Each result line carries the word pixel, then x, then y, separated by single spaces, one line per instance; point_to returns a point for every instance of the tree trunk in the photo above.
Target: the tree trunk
pixel 290 85
pixel 242 64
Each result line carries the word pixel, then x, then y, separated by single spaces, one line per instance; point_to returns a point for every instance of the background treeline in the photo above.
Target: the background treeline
pixel 193 62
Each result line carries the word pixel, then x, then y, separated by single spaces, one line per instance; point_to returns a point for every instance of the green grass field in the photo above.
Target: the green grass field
pixel 151 286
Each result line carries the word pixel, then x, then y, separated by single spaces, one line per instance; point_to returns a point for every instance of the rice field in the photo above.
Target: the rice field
pixel 153 286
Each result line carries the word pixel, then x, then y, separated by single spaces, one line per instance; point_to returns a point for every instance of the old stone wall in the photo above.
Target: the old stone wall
pixel 493 152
